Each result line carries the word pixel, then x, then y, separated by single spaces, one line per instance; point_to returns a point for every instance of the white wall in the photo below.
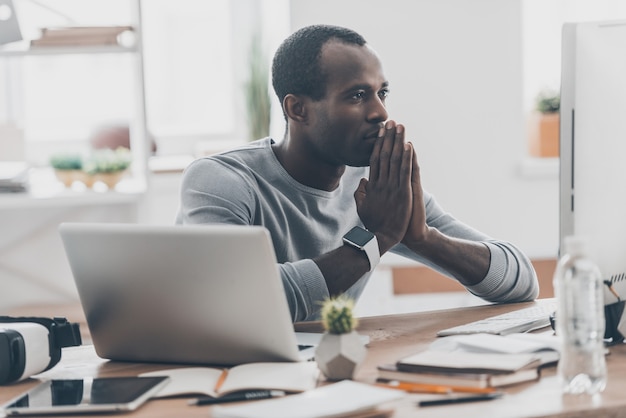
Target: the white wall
pixel 33 264
pixel 455 71
pixel 542 25
pixel 457 81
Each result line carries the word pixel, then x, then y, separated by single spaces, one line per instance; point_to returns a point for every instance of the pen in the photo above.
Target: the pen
pixel 238 396
pixel 460 399
pixel 610 286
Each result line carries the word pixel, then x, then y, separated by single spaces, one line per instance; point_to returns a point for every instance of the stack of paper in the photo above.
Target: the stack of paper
pixel 545 346
pixel 342 399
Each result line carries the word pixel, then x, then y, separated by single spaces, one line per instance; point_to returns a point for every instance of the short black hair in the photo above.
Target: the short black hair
pixel 296 67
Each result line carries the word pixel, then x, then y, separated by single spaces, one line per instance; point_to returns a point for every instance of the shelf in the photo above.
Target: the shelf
pixel 539 168
pixel 46 191
pixel 67 198
pixel 15 77
pixel 20 50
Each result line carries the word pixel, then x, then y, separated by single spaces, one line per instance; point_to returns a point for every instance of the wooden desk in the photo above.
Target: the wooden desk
pixel 392 337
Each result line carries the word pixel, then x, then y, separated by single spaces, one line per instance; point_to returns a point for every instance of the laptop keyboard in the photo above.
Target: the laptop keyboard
pixel 521 320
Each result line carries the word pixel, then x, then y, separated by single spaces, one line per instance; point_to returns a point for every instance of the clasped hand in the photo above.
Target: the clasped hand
pixel 390 202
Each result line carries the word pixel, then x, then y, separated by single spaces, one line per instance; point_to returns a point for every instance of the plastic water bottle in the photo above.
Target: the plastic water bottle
pixel 580 320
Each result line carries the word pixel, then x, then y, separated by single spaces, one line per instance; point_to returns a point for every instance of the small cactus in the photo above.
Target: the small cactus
pixel 337 316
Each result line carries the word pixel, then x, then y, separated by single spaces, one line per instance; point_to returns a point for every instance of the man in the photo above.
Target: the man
pixel 342 164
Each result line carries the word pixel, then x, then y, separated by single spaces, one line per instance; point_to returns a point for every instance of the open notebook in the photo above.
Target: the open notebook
pixel 209 294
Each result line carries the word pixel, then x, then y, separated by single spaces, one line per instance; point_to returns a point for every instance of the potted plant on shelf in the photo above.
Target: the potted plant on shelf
pixel 544 141
pixel 258 104
pixel 67 167
pixel 107 166
pixel 341 349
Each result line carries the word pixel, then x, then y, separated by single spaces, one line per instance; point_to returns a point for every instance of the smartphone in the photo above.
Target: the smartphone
pixel 81 396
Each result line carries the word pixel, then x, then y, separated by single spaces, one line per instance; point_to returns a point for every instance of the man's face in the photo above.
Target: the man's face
pixel 344 124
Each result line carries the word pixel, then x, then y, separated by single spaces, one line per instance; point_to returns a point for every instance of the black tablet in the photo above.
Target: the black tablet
pixel 80 396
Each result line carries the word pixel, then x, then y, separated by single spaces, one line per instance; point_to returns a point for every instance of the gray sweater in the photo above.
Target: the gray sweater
pixel 248 186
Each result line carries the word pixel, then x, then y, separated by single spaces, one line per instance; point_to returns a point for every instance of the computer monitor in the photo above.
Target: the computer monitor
pixel 593 141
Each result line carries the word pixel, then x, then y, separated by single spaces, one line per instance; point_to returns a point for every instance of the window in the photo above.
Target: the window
pixel 58 100
pixel 189 72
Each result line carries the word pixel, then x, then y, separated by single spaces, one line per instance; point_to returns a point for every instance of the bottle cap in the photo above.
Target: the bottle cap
pixel 575 245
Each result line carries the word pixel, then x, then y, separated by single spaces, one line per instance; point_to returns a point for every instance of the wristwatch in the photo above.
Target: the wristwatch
pixel 365 241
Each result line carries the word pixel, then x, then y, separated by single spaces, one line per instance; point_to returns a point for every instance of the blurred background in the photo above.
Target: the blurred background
pixel 465 77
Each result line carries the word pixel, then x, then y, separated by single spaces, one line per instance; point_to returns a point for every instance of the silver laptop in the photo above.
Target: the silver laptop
pixel 209 294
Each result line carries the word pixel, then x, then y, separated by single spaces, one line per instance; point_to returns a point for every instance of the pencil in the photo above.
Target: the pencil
pixel 220 380
pixel 415 387
pixel 427 388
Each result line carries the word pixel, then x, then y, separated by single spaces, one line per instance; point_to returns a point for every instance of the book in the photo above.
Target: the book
pixel 81 35
pixel 342 399
pixel 432 361
pixel 291 377
pixel 457 381
pixel 82 31
pixel 459 369
pixel 86 41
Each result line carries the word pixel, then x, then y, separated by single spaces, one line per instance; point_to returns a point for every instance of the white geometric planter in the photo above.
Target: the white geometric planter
pixel 339 355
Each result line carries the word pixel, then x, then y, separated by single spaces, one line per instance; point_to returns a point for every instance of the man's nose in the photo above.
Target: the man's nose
pixel 378 111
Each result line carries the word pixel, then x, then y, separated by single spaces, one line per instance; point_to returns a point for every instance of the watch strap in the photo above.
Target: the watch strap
pixel 373 252
pixel 364 240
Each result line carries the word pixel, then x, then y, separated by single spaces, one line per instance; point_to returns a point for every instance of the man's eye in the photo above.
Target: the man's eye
pixel 383 94
pixel 358 95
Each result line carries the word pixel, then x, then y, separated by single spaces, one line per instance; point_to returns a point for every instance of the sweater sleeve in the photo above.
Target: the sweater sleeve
pixel 304 287
pixel 511 276
pixel 207 198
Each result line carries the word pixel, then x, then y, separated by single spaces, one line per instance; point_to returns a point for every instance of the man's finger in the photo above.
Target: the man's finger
pixel 386 150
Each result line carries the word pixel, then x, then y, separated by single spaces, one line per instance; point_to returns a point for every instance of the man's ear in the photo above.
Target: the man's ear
pixel 295 107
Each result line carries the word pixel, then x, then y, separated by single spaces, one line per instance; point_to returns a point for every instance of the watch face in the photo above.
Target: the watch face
pixel 359 236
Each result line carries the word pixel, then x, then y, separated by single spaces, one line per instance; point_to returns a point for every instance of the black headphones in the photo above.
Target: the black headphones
pixel 31 345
